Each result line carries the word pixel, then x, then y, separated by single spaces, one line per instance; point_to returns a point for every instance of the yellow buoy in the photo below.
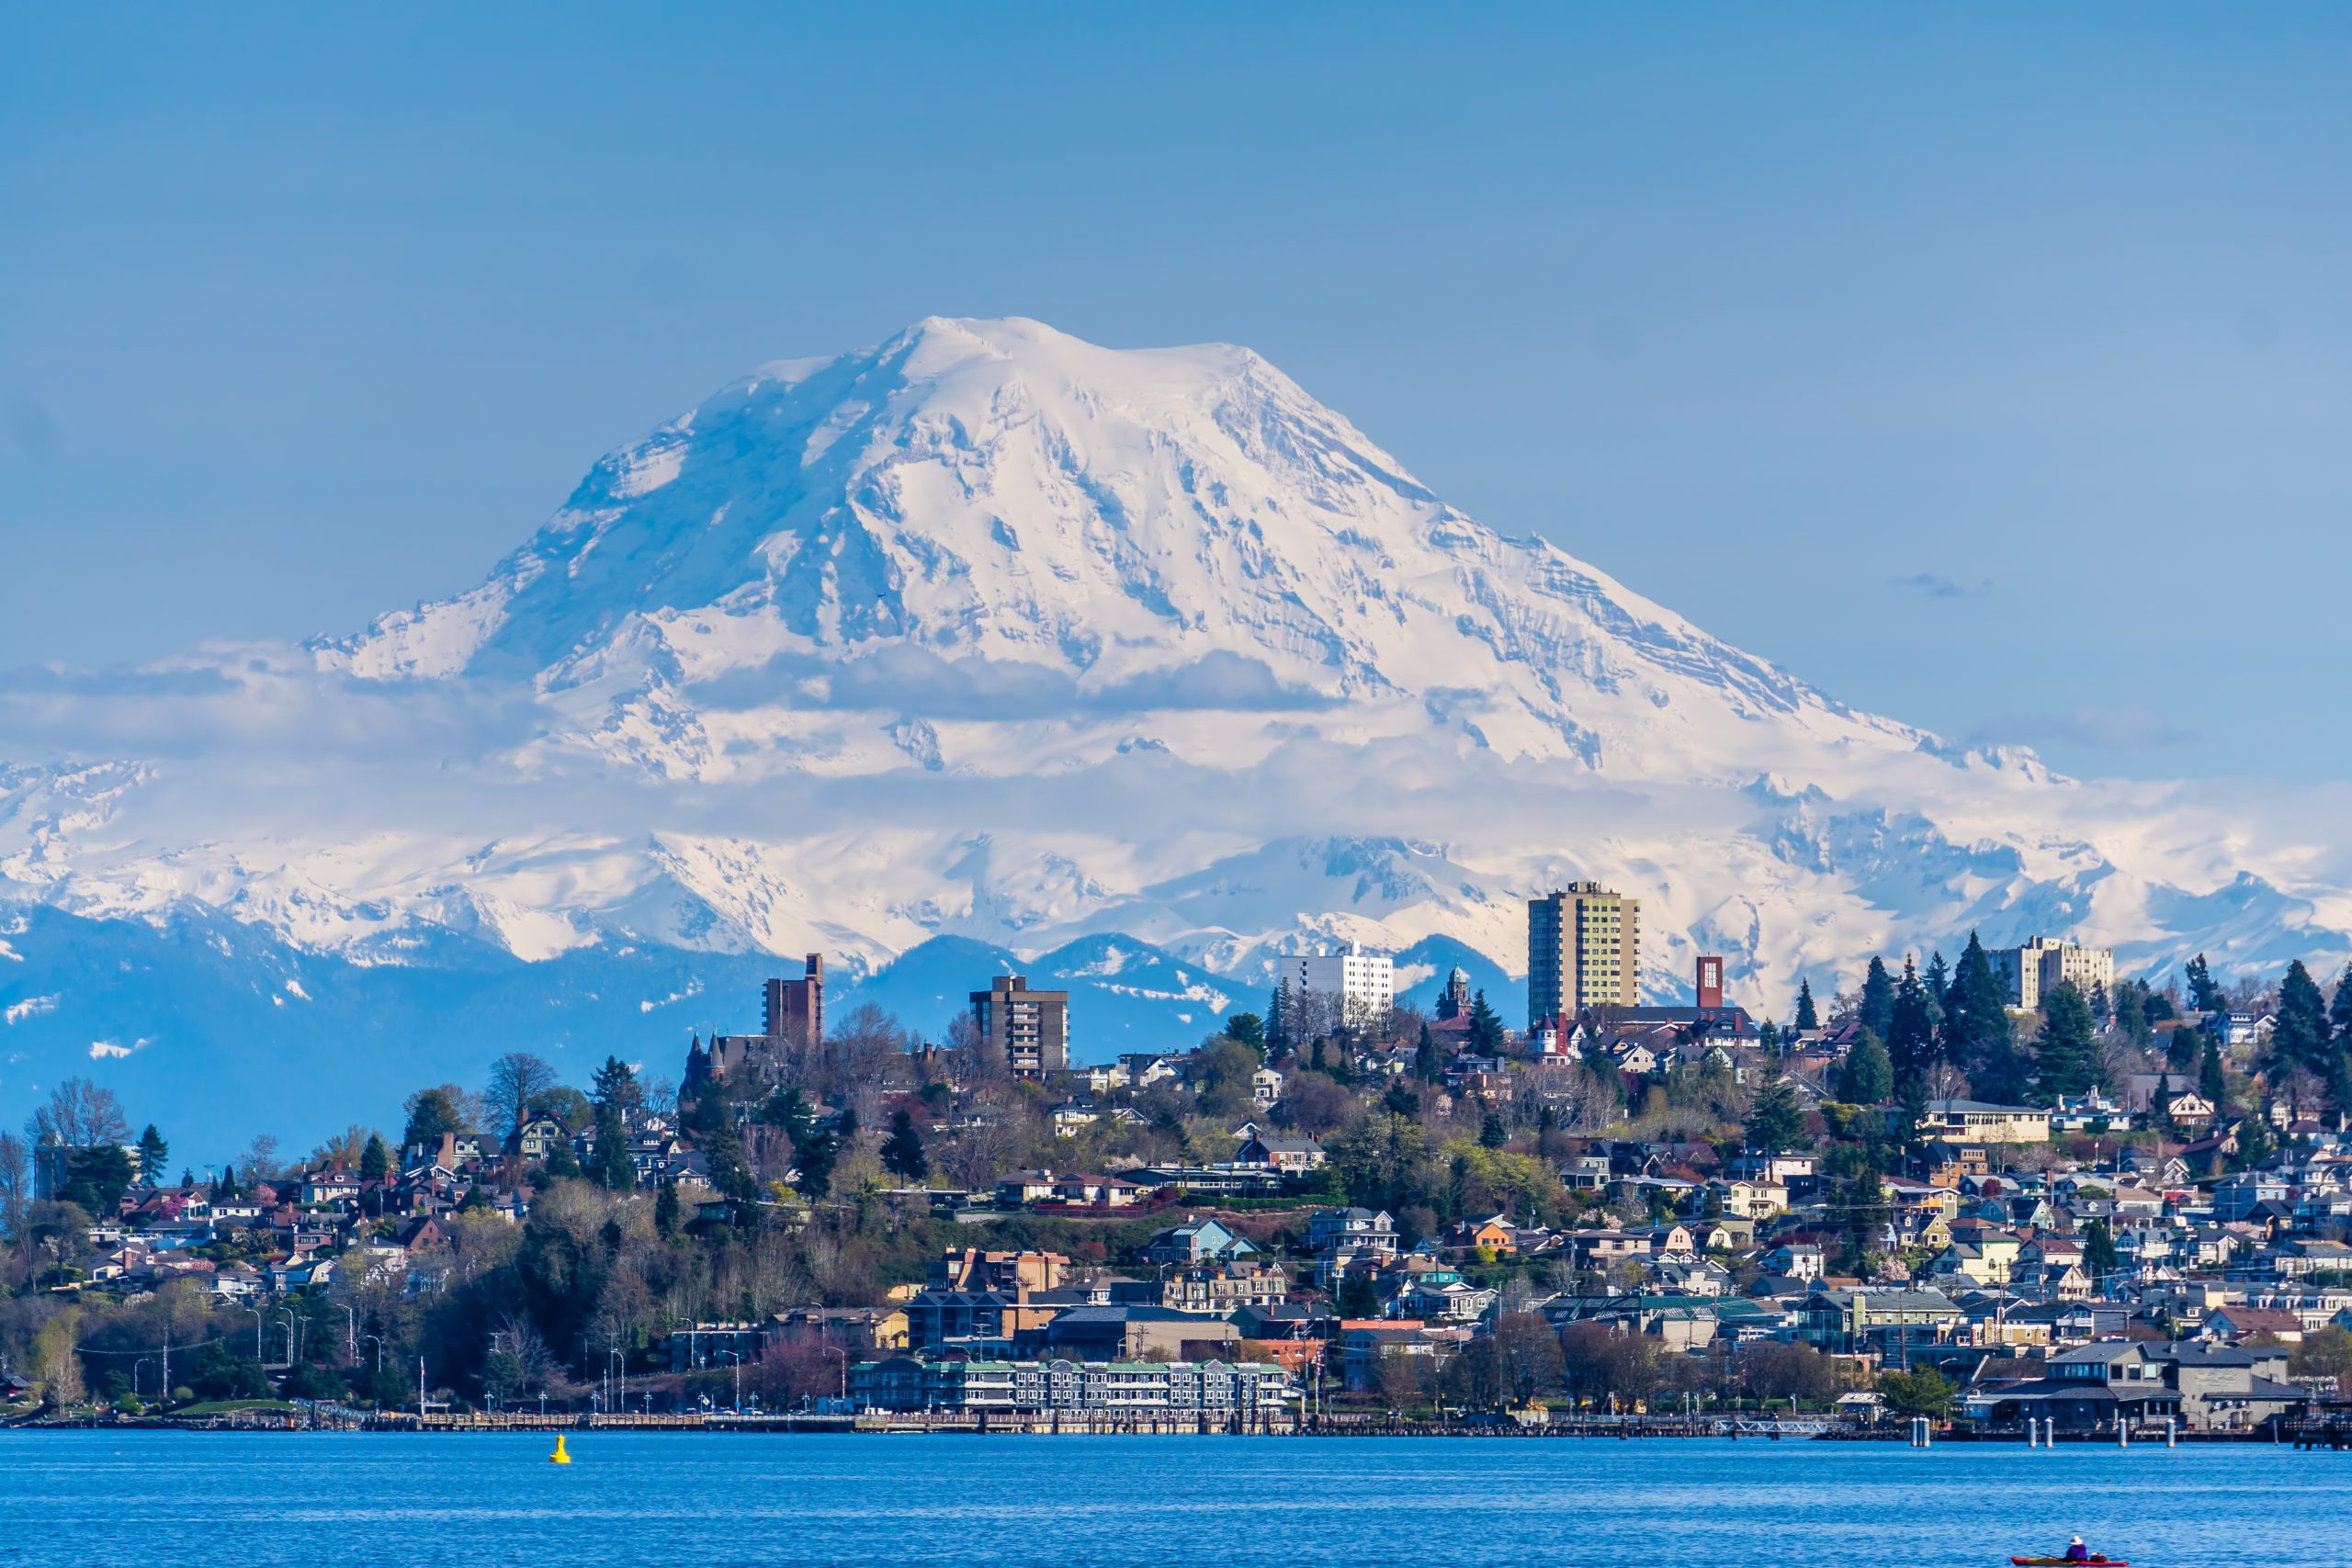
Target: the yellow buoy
pixel 562 1455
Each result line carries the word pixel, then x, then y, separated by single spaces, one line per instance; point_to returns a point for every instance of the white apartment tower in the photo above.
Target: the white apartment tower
pixel 1363 985
pixel 2027 971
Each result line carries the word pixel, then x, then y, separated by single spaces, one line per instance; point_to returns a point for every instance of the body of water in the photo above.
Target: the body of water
pixel 263 1500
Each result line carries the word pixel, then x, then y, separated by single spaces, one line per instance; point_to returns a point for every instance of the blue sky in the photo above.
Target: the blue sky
pixel 1991 366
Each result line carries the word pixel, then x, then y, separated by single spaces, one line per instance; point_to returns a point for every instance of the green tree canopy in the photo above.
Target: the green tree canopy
pixel 1867 1075
pixel 1925 1392
pixel 2099 1254
pixel 2302 1035
pixel 1978 1037
pixel 2211 1084
pixel 1876 1012
pixel 2065 1050
pixel 616 1084
pixel 1911 1037
pixel 1485 1027
pixel 433 1112
pixel 2204 995
pixel 1775 1119
pixel 152 1153
pixel 902 1151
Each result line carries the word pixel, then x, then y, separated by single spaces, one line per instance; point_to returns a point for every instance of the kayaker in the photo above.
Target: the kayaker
pixel 2076 1551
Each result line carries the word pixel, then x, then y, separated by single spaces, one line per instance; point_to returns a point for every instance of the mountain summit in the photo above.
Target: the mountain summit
pixel 992 635
pixel 1001 519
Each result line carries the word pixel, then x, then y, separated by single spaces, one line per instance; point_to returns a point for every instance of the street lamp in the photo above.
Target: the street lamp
pixel 737 1357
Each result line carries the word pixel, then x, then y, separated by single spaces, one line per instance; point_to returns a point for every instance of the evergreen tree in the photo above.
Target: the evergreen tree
pixel 666 1209
pixel 1911 1040
pixel 1913 1117
pixel 2131 1013
pixel 612 1168
pixel 1250 1029
pixel 2302 1037
pixel 1861 1207
pixel 1428 1062
pixel 2182 1047
pixel 902 1151
pixel 1359 1297
pixel 1866 1077
pixel 2161 1103
pixel 2100 1259
pixel 375 1160
pixel 153 1153
pixel 1775 1119
pixel 2065 1058
pixel 2211 1083
pixel 2339 1010
pixel 1485 1027
pixel 2203 993
pixel 616 1084
pixel 813 1155
pixel 561 1161
pixel 1978 1037
pixel 433 1112
pixel 1807 1016
pixel 2255 1145
pixel 1492 1133
pixel 1876 1012
pixel 1767 1038
pixel 1939 983
pixel 716 1137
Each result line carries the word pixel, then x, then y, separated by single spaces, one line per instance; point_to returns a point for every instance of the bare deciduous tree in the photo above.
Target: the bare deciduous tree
pixel 515 1081
pixel 16 1184
pixel 79 1114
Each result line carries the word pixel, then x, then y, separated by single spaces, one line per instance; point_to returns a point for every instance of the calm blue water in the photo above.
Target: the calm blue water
pixel 262 1500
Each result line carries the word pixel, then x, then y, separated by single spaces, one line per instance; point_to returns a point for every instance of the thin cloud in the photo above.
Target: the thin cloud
pixel 1935 585
pixel 2106 729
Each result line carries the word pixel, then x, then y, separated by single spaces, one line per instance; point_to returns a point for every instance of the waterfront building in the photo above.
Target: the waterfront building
pixel 1212 1389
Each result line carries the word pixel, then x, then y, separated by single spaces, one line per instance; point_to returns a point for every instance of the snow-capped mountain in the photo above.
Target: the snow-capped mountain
pixel 990 634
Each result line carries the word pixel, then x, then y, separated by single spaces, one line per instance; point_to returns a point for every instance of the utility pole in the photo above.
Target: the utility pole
pixel 166 1390
pixel 420 1391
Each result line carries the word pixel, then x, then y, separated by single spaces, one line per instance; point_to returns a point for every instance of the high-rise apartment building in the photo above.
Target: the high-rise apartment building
pixel 1362 986
pixel 2028 970
pixel 1583 950
pixel 1030 1029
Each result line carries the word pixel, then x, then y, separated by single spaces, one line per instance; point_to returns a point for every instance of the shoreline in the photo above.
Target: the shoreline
pixel 877 1424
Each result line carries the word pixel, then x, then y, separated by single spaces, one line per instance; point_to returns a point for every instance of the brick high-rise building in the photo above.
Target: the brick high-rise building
pixel 1029 1030
pixel 1583 950
pixel 795 1009
pixel 792 1020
